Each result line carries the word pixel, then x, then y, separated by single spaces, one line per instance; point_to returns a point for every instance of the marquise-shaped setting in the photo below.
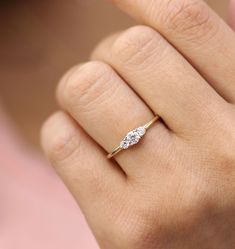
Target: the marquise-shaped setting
pixel 132 138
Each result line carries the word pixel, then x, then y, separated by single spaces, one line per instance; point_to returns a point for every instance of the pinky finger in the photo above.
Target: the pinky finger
pixel 83 166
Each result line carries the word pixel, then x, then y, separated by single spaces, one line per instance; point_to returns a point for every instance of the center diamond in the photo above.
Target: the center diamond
pixel 133 137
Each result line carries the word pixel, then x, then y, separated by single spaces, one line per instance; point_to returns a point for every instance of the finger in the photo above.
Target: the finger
pixel 107 109
pixel 91 178
pixel 163 78
pixel 197 32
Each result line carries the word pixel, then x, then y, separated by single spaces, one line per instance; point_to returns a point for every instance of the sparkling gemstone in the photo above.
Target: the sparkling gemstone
pixel 133 137
pixel 141 131
pixel 124 144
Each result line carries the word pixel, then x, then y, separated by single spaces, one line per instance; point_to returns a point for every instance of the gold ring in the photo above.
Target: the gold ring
pixel 133 137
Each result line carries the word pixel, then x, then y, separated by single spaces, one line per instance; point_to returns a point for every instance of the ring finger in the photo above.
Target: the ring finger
pixel 107 108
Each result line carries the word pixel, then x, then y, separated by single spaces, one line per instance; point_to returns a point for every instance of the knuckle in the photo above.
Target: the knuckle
pixel 189 17
pixel 226 147
pixel 60 90
pixel 140 228
pixel 139 236
pixel 62 145
pixel 136 45
pixel 86 85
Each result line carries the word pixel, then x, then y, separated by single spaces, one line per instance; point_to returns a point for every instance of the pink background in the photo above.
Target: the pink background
pixel 36 210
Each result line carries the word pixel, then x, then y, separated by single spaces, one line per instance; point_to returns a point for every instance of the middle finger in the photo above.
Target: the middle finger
pixel 163 78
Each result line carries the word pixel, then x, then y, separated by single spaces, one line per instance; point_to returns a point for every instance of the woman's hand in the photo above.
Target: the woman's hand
pixel 176 189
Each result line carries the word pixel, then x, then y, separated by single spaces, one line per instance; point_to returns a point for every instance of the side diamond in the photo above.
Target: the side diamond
pixel 141 131
pixel 124 144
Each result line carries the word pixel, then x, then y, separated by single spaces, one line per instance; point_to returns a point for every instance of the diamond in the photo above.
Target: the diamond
pixel 124 144
pixel 141 131
pixel 132 138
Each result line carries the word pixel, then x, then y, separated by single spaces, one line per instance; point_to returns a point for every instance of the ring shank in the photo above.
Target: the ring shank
pixel 150 123
pixel 114 152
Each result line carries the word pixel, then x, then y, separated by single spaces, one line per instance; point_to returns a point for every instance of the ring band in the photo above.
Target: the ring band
pixel 132 138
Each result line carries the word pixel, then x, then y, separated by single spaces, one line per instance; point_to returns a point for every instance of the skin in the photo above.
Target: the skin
pixel 176 189
pixel 232 14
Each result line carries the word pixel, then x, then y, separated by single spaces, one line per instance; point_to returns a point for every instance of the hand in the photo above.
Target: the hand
pixel 176 189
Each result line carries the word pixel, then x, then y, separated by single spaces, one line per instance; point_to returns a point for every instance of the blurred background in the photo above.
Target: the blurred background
pixel 40 40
